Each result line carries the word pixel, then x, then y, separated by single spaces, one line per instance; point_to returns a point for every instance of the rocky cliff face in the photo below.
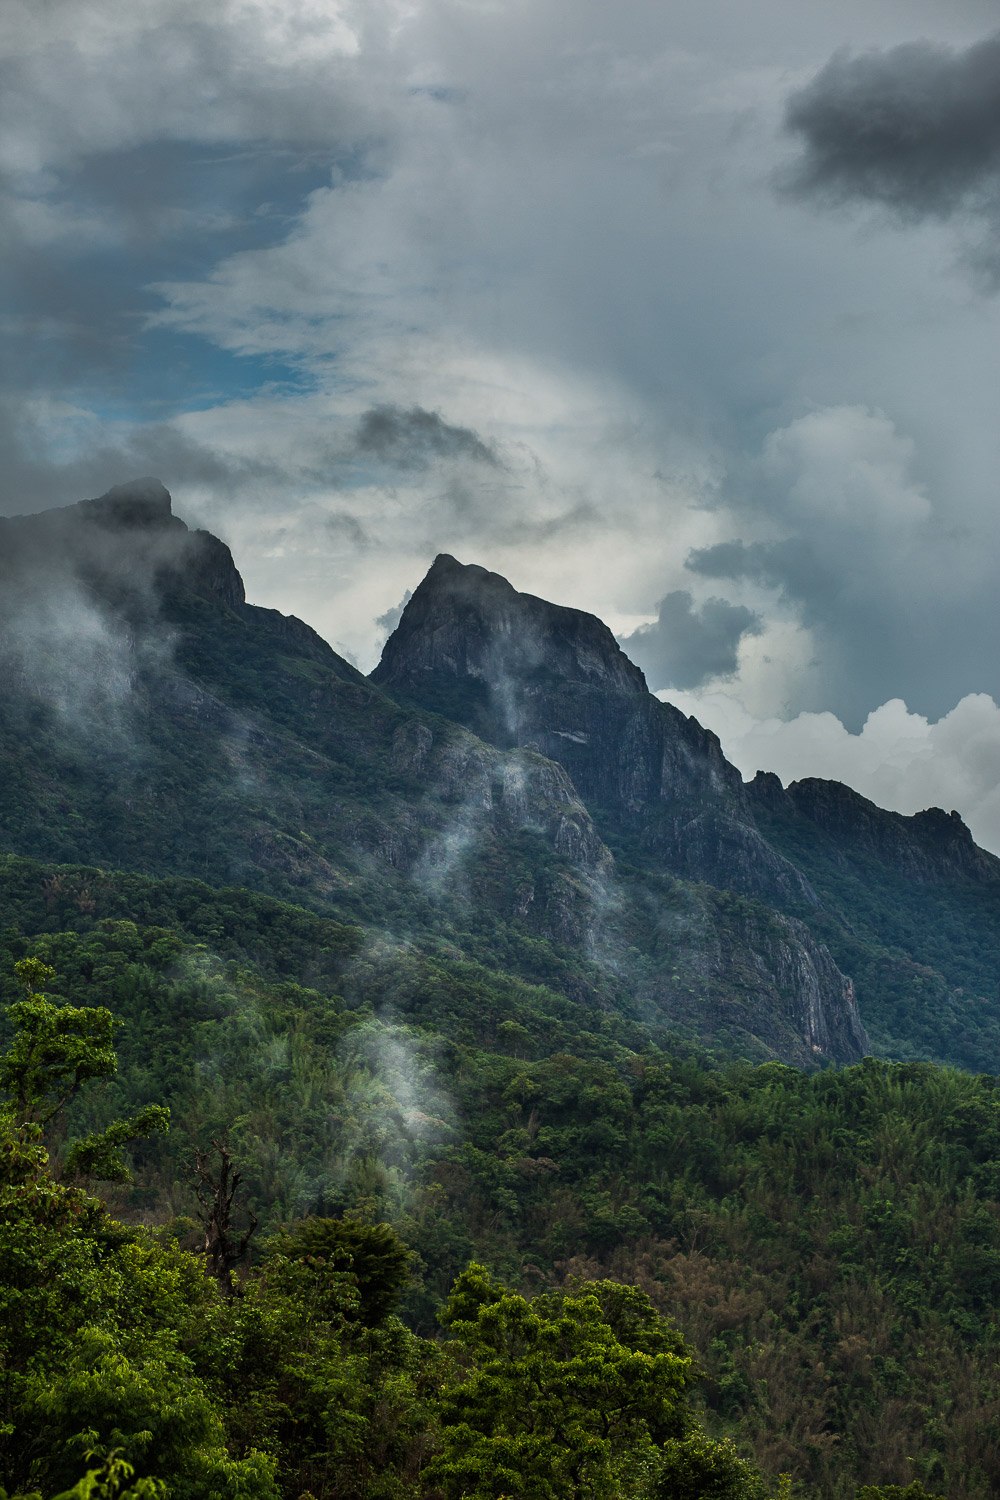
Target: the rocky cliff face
pixel 553 681
pixel 810 998
pixel 521 671
pixel 241 740
pixel 177 729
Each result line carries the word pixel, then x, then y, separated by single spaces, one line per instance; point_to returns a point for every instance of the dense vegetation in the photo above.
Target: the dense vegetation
pixel 455 1203
pixel 125 1362
pixel 826 1244
pixel 925 955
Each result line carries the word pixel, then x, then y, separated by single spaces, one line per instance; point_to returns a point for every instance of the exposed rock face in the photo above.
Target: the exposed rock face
pixel 521 671
pixel 820 1000
pixel 176 728
pixel 467 622
pixel 772 963
pixel 929 847
pixel 209 570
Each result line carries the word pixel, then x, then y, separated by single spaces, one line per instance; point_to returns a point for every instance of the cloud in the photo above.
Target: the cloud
pixel 343 526
pixel 690 644
pixel 845 465
pixel 82 78
pixel 530 257
pixel 915 129
pixel 56 453
pixel 899 759
pixel 62 649
pixel 392 617
pixel 133 149
pixel 414 439
pixel 80 623
pixel 852 548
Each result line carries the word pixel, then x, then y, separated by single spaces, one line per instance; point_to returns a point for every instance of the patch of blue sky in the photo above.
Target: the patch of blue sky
pixel 171 372
pixel 77 312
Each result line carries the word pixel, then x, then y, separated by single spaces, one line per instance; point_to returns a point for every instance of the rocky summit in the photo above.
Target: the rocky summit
pixel 502 792
pixel 520 671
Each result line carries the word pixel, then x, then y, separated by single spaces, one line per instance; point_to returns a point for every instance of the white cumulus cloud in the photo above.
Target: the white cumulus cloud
pixel 900 760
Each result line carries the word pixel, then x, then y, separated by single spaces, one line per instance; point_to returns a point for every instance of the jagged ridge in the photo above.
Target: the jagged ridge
pixel 176 728
pixel 521 671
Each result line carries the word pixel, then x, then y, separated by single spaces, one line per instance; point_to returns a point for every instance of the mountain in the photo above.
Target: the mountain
pixel 155 721
pixel 426 949
pixel 503 785
pixel 520 671
pixel 909 907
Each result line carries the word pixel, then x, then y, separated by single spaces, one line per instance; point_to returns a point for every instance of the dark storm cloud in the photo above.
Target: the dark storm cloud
pixel 915 129
pixel 414 438
pixel 344 527
pixel 792 566
pixel 689 645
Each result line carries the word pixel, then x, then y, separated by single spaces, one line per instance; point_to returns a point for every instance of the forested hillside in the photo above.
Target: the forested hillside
pixel 825 1243
pixel 490 961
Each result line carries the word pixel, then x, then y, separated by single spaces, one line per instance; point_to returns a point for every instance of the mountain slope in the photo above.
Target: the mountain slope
pixel 155 721
pixel 520 671
pixel 909 907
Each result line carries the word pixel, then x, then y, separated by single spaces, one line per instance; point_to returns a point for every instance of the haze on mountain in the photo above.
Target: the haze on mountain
pixel 503 783
pixel 686 316
pixel 489 956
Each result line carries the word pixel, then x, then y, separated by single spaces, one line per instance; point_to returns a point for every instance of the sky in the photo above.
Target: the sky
pixel 686 314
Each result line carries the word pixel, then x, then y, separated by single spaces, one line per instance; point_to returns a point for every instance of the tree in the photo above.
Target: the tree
pixel 217 1190
pixel 372 1254
pixel 55 1050
pixel 697 1468
pixel 912 1491
pixel 98 1322
pixel 572 1394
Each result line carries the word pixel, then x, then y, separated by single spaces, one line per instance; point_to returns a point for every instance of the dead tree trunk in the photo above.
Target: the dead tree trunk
pixel 218 1185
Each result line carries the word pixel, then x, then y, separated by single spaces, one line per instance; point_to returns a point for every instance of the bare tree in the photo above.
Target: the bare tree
pixel 218 1185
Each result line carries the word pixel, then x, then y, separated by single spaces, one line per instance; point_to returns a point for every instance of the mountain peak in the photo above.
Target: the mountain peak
pixel 924 847
pixel 468 623
pixel 136 503
pixel 446 572
pixel 136 499
pixel 125 542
